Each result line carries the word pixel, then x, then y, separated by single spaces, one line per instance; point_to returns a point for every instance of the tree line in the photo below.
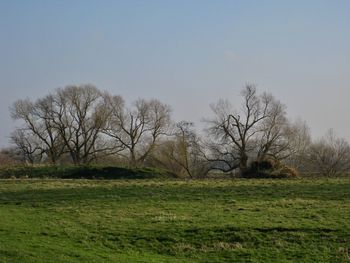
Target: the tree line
pixel 84 125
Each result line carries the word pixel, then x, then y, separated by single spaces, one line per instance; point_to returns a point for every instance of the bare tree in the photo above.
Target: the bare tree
pixel 137 129
pixel 182 153
pixel 298 141
pixel 38 123
pixel 79 114
pixel 49 135
pixel 330 155
pixel 256 131
pixel 28 145
pixel 272 131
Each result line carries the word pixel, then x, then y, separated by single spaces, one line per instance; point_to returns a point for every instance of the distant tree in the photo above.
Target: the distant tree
pixel 299 141
pixel 27 145
pixel 139 128
pixel 259 130
pixel 182 153
pixel 38 127
pixel 79 114
pixel 330 155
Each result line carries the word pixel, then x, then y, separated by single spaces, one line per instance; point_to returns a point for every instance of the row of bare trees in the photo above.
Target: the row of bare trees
pixel 81 124
pixel 85 124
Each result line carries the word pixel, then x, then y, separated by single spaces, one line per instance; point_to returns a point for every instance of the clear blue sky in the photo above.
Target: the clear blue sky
pixel 186 53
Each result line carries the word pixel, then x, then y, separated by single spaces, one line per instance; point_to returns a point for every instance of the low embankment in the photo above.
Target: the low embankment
pixel 82 172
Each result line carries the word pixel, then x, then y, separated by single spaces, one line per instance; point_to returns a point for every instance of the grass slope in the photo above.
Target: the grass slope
pixel 175 221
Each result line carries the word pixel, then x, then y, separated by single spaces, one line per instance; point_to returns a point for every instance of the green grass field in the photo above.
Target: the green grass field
pixel 175 221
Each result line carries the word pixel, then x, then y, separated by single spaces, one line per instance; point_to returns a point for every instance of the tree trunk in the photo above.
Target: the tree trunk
pixel 243 163
pixel 133 162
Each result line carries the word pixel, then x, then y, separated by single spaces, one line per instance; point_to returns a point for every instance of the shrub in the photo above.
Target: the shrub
pixel 269 168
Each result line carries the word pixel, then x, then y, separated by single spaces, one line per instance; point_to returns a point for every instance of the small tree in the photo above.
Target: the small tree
pixel 182 153
pixel 330 155
pixel 299 139
pixel 28 145
pixel 37 128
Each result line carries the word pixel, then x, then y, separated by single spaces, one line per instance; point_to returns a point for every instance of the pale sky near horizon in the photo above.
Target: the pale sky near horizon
pixel 187 53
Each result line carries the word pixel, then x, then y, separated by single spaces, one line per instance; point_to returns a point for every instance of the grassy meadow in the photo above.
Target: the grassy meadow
pixel 156 220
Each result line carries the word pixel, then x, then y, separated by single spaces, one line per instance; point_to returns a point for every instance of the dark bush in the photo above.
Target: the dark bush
pixel 267 164
pixel 269 168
